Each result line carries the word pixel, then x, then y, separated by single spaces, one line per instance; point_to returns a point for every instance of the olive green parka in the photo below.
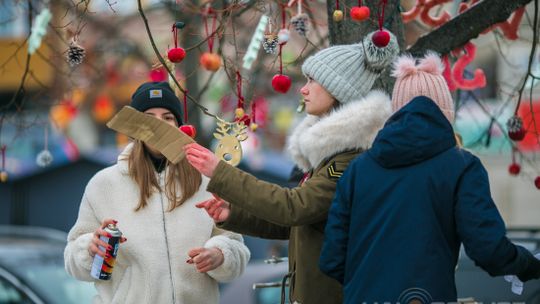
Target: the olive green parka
pixel 322 147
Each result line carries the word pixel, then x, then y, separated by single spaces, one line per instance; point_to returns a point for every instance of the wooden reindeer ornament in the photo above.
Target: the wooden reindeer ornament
pixel 229 148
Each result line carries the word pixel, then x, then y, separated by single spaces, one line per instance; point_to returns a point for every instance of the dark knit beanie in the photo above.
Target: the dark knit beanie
pixel 157 95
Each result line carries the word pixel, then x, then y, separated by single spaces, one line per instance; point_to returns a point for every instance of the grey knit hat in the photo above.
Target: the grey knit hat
pixel 348 72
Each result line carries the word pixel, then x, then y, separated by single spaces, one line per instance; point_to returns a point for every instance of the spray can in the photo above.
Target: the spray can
pixel 102 268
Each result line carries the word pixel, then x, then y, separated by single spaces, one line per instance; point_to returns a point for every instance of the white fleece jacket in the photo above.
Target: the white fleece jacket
pixel 151 266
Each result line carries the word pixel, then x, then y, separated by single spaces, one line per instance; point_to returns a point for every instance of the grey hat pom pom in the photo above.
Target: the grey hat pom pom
pixel 378 58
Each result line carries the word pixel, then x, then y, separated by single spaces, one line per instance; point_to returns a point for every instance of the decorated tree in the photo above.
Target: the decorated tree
pixel 230 60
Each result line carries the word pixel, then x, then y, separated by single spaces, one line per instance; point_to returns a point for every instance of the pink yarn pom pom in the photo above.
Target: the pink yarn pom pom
pixel 404 66
pixel 431 64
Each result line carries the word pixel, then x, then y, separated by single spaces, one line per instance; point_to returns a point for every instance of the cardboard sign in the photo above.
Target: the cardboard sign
pixel 154 132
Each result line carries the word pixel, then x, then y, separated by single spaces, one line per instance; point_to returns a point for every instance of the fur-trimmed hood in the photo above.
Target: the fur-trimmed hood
pixel 354 125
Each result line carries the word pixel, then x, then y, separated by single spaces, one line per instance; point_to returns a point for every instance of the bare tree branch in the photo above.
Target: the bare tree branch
pixel 466 26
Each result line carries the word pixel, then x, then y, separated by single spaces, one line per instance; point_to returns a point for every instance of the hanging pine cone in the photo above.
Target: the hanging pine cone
pixel 300 23
pixel 515 128
pixel 270 43
pixel 75 54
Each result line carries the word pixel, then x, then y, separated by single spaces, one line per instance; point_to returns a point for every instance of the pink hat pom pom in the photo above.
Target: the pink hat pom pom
pixel 404 66
pixel 432 64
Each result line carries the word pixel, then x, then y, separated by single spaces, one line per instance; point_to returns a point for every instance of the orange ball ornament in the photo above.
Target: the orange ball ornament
pixel 210 61
pixel 360 13
pixel 3 176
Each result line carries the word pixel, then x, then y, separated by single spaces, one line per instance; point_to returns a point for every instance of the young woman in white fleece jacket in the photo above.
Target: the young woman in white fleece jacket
pixel 171 251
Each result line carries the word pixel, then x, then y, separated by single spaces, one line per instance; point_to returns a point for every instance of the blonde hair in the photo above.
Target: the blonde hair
pixel 181 178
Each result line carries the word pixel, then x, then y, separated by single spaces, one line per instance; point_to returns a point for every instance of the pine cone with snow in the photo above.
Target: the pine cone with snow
pixel 75 54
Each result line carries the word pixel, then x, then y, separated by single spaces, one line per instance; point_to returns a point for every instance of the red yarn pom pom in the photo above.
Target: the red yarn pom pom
pixel 381 38
pixel 281 83
pixel 176 55
pixel 514 169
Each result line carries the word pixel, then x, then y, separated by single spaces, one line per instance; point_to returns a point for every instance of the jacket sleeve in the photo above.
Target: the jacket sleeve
pixel 77 258
pixel 483 232
pixel 236 255
pixel 334 250
pixel 243 222
pixel 303 205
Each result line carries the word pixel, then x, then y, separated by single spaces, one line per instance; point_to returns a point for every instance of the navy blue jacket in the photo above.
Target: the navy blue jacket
pixel 402 210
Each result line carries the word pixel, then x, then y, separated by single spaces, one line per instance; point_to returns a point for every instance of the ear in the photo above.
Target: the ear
pixel 431 64
pixel 404 66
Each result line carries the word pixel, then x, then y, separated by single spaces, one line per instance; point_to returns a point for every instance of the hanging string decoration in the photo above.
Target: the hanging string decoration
pixel 209 60
pixel 75 53
pixel 338 14
pixel 270 41
pixel 3 172
pixel 300 22
pixel 255 44
pixel 283 34
pixel 188 129
pixel 360 12
pixel 176 54
pixel 44 158
pixel 514 167
pixel 381 38
pixel 240 114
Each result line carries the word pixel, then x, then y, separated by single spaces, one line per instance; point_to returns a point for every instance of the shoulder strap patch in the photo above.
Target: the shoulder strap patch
pixel 333 171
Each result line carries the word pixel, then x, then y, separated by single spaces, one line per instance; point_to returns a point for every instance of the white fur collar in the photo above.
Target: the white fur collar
pixel 354 125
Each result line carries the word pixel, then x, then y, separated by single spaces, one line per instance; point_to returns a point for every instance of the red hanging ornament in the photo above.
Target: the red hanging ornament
pixel 281 83
pixel 188 129
pixel 239 114
pixel 209 60
pixel 360 12
pixel 516 131
pixel 176 54
pixel 514 169
pixel 381 38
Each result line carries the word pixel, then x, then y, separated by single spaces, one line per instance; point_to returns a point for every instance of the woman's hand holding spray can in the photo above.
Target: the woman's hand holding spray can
pixel 104 248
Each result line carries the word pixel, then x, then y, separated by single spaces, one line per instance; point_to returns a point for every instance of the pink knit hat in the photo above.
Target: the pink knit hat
pixel 422 79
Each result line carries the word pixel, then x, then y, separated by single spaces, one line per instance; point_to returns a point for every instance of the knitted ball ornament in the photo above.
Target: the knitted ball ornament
pixel 422 79
pixel 157 95
pixel 348 72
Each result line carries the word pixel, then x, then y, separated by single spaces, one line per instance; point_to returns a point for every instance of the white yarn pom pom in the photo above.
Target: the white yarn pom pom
pixel 283 36
pixel 44 158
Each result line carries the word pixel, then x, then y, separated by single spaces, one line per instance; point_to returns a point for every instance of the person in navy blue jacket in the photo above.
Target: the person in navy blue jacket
pixel 402 210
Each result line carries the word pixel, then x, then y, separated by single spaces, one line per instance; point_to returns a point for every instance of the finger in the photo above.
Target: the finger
pixel 203 264
pixel 195 251
pixel 107 222
pixel 94 249
pixel 102 244
pixel 206 269
pixel 101 232
pixel 204 204
pixel 213 208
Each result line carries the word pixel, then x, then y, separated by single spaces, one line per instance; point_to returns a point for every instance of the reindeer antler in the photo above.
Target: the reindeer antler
pixel 239 131
pixel 223 128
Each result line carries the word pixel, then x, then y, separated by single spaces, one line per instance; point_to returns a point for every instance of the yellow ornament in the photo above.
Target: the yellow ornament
pixel 254 127
pixel 3 176
pixel 229 148
pixel 239 112
pixel 338 15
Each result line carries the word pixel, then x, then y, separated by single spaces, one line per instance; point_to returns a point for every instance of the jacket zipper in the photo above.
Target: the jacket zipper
pixel 165 232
